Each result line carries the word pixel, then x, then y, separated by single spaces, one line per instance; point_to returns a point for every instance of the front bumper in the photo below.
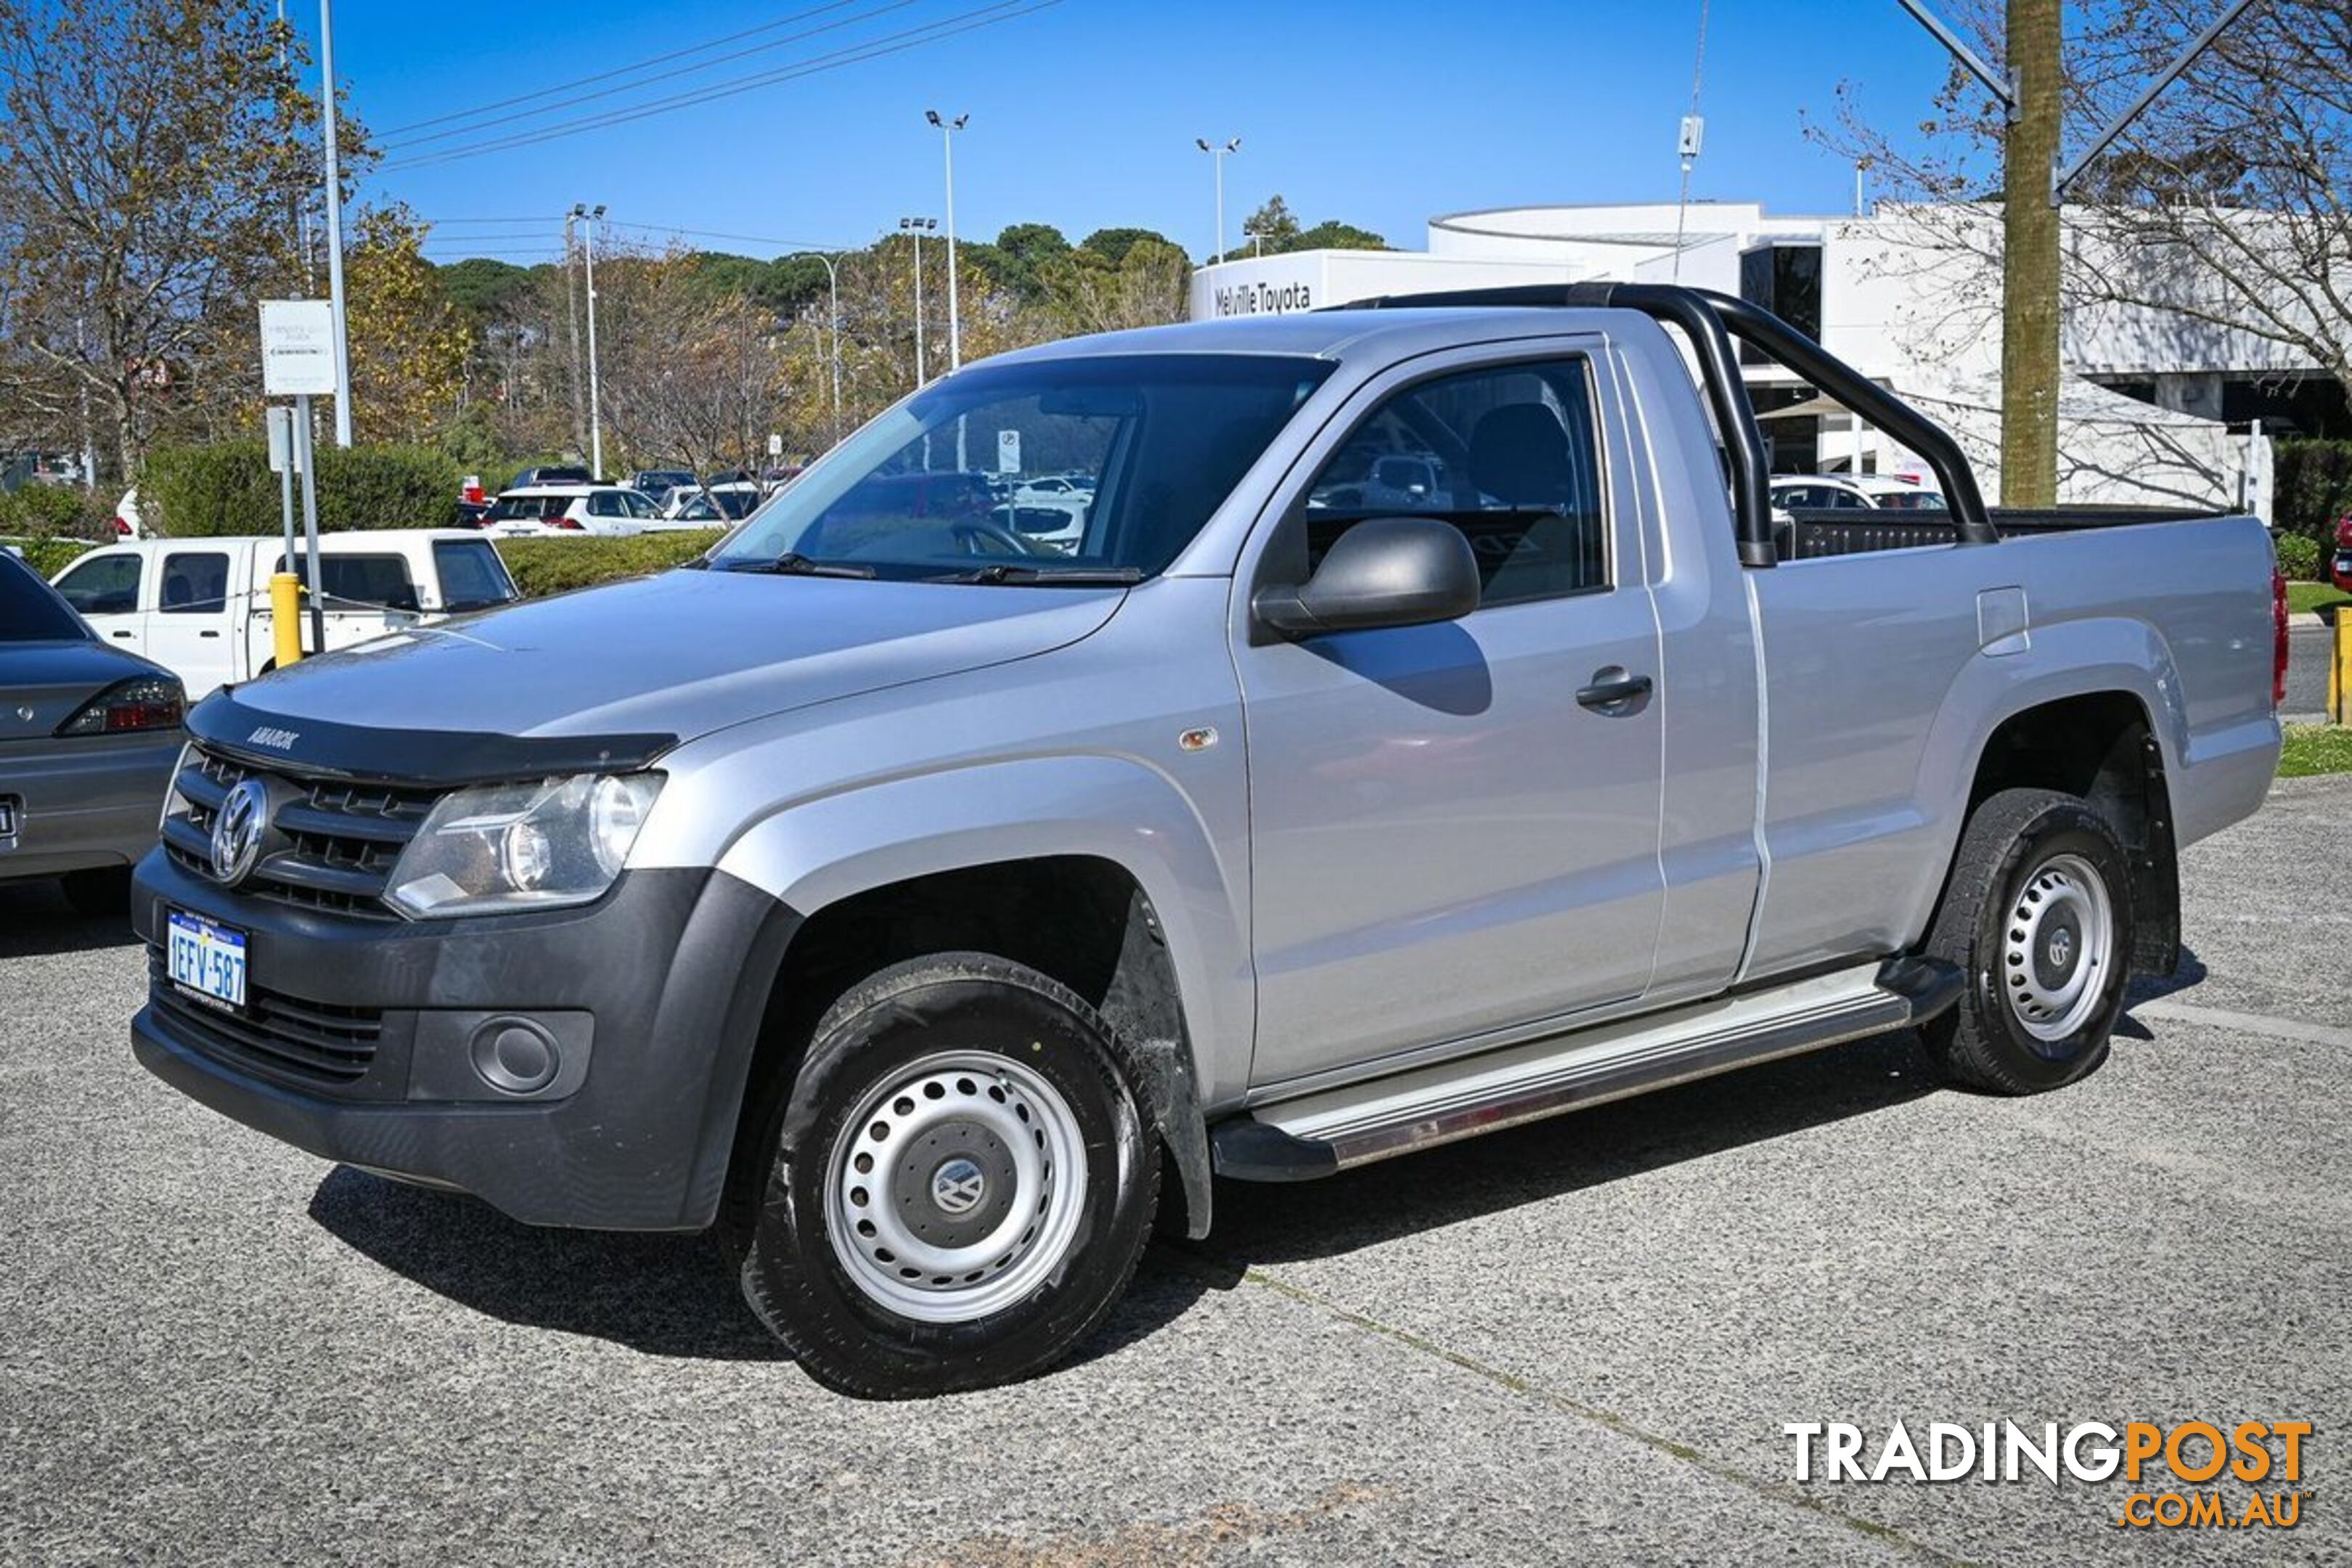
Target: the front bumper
pixel 649 1001
pixel 84 804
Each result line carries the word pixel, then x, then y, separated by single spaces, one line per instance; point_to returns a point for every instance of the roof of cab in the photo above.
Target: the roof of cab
pixel 1333 334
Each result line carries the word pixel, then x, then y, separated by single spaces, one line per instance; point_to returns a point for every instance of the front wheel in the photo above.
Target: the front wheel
pixel 961 1186
pixel 2038 918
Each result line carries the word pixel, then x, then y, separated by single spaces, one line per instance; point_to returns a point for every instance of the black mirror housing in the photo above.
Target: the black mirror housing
pixel 1383 572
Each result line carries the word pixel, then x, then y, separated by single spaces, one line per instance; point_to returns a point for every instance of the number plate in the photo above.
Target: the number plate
pixel 206 957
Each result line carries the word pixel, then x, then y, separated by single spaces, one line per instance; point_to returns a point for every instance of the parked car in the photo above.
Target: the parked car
pixel 2340 565
pixel 656 484
pixel 556 474
pixel 201 607
pixel 128 522
pixel 88 734
pixel 906 900
pixel 721 503
pixel 1818 492
pixel 542 509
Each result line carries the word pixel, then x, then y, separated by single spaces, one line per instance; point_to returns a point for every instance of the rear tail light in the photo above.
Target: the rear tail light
pixel 573 523
pixel 2278 642
pixel 122 527
pixel 144 702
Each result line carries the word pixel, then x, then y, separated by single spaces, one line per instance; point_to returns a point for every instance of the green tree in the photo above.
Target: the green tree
pixel 1023 247
pixel 484 288
pixel 408 344
pixel 1333 234
pixel 1113 244
pixel 1275 229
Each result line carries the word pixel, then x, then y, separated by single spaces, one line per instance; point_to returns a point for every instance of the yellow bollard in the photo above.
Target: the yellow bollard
pixel 286 616
pixel 2339 669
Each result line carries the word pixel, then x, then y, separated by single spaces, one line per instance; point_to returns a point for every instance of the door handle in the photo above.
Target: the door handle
pixel 126 637
pixel 209 634
pixel 1614 692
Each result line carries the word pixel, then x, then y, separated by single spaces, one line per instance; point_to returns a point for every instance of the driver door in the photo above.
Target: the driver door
pixel 1445 840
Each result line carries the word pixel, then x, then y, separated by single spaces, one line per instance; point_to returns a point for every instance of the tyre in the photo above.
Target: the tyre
pixel 105 892
pixel 960 1187
pixel 2038 917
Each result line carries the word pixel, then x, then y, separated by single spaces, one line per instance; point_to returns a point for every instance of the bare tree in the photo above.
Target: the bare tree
pixel 150 153
pixel 2225 211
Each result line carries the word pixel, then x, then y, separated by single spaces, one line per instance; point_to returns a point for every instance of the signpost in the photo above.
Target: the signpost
pixel 298 361
pixel 1008 451
pixel 285 591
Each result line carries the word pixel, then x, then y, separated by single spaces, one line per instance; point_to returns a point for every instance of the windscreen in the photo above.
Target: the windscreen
pixel 472 575
pixel 934 487
pixel 533 509
pixel 29 611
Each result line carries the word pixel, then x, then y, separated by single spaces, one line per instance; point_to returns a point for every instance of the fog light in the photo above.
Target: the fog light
pixel 516 1055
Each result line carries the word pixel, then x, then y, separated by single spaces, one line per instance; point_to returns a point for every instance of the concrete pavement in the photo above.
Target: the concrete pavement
pixel 1573 1343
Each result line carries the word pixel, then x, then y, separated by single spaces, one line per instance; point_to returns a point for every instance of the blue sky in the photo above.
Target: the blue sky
pixel 1084 114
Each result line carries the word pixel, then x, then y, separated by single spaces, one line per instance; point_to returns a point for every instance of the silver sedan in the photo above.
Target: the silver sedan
pixel 89 735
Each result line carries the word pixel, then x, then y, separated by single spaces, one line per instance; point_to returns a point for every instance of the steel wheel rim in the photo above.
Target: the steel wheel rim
pixel 2057 948
pixel 956 1188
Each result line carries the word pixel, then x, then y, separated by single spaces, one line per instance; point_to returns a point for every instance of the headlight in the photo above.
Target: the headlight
pixel 522 846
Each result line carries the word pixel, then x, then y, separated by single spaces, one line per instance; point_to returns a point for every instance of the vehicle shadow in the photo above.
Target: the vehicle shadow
pixel 2187 976
pixel 668 1295
pixel 1262 1224
pixel 663 1294
pixel 36 920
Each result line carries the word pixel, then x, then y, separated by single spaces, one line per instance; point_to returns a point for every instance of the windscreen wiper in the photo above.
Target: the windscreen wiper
pixel 1078 576
pixel 793 563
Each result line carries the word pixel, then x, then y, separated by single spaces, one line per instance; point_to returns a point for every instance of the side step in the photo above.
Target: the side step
pixel 1318 1135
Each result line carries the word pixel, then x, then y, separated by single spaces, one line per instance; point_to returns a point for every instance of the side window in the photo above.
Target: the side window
pixel 195 583
pixel 1508 455
pixel 605 503
pixel 639 505
pixel 1842 497
pixel 106 586
pixel 364 581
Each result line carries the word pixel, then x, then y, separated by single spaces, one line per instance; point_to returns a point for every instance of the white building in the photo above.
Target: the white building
pixel 2157 407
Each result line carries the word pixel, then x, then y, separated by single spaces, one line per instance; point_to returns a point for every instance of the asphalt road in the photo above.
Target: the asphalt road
pixel 1574 1342
pixel 2307 650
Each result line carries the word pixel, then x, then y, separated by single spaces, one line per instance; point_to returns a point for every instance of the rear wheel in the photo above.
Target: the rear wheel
pixel 961 1184
pixel 2038 917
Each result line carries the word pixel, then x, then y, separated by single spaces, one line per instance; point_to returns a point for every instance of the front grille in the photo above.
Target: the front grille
pixel 340 840
pixel 275 1032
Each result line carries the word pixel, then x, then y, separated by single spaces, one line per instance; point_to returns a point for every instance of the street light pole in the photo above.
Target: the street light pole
pixel 334 224
pixel 916 226
pixel 947 128
pixel 833 284
pixel 595 404
pixel 1217 155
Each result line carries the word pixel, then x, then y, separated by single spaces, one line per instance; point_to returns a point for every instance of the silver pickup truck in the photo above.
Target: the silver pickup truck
pixel 930 905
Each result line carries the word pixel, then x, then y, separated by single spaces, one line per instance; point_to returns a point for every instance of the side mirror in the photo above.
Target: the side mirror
pixel 1384 572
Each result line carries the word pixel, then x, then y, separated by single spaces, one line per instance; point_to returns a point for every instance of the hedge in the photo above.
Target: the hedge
pixel 50 556
pixel 52 511
pixel 2311 487
pixel 226 489
pixel 2298 558
pixel 558 565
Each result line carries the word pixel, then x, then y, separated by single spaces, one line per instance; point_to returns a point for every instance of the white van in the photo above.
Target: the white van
pixel 200 607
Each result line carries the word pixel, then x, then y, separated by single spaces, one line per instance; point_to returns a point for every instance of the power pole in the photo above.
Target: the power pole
pixel 2033 185
pixel 2029 221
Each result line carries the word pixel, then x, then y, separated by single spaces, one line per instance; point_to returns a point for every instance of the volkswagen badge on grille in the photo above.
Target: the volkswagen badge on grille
pixel 237 831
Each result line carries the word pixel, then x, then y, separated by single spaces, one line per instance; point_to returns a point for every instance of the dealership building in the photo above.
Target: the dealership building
pixel 2157 406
